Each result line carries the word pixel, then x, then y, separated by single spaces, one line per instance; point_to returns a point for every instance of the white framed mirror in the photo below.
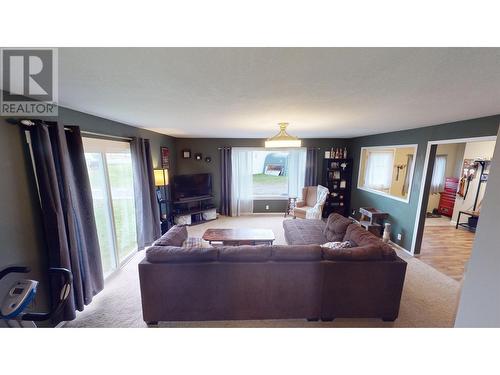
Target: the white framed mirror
pixel 388 170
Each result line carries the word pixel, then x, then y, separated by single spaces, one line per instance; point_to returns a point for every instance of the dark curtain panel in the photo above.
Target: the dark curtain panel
pixel 225 182
pixel 67 213
pixel 311 167
pixel 147 211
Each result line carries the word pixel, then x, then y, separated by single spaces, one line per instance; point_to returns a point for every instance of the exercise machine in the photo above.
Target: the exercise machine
pixel 21 294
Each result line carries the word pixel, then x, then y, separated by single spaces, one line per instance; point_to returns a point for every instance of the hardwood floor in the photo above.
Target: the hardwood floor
pixel 447 249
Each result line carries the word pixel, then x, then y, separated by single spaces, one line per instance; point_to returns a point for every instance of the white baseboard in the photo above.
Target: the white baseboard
pixel 400 248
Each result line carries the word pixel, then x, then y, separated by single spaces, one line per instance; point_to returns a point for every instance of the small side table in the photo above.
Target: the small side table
pixel 472 214
pixel 292 202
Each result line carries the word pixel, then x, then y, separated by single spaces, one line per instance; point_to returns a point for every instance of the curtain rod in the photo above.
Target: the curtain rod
pixel 310 148
pixel 104 135
pixel 29 123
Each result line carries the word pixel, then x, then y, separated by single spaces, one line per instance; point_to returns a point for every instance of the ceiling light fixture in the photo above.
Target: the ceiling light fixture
pixel 283 139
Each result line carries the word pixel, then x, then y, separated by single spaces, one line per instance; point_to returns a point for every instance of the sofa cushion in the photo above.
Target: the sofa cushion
pixel 174 254
pixel 304 232
pixel 359 235
pixel 296 253
pixel 360 253
pixel 335 227
pixel 174 237
pixel 362 237
pixel 245 253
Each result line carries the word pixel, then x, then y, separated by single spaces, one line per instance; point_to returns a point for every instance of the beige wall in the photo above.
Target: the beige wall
pixel 473 150
pixel 400 157
pixel 362 165
pixel 454 156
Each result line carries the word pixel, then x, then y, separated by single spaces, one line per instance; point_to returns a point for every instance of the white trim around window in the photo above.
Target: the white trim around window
pixel 381 193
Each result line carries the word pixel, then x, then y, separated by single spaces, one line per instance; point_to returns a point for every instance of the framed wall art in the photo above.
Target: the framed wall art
pixel 165 158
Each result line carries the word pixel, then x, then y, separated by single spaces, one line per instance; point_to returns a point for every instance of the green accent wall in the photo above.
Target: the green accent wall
pixel 210 147
pixel 402 215
pixel 21 229
pixel 21 234
pixel 100 125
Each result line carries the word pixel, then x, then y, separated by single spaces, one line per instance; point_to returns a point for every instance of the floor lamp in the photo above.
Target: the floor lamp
pixel 161 181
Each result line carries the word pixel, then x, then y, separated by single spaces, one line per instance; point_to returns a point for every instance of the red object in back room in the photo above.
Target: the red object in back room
pixel 447 199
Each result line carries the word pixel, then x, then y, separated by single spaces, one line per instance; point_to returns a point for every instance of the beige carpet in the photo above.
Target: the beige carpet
pixel 429 297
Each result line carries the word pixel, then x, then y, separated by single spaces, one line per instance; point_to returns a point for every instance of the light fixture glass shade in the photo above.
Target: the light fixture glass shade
pixel 161 177
pixel 283 139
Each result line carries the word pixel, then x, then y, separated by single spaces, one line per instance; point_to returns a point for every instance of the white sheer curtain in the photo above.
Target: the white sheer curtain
pixel 241 181
pixel 296 171
pixel 378 172
pixel 438 174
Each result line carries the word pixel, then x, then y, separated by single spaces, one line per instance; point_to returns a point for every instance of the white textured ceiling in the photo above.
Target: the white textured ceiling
pixel 245 92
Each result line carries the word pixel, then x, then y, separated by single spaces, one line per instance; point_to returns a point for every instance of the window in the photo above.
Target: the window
pixel 387 170
pixel 265 174
pixel 278 173
pixel 109 164
pixel 378 172
pixel 438 174
pixel 270 173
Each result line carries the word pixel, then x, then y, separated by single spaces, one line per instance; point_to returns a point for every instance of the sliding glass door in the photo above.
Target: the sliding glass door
pixel 109 164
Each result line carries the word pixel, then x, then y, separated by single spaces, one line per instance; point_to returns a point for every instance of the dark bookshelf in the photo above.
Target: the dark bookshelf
pixel 337 175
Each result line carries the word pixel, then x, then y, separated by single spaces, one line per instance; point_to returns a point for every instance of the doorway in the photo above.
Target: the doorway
pixel 455 183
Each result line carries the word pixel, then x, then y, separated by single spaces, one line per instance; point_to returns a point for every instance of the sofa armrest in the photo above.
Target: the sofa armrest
pixel 300 204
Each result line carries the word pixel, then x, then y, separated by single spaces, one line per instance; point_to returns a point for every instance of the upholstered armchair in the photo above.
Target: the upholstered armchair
pixel 310 206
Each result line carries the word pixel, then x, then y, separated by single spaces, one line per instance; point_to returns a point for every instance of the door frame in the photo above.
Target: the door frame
pixel 418 229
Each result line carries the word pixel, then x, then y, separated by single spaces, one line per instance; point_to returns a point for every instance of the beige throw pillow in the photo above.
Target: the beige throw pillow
pixel 337 245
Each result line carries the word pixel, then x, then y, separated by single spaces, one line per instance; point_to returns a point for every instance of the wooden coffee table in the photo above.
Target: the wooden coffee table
pixel 235 237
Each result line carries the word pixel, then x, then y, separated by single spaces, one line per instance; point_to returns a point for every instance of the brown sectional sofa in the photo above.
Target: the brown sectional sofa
pixel 364 281
pixel 298 281
pixel 231 283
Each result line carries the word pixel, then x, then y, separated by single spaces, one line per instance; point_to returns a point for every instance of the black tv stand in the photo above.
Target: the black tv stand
pixel 189 211
pixel 194 199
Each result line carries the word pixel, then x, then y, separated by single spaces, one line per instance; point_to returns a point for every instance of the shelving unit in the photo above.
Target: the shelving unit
pixel 193 207
pixel 337 178
pixel 473 214
pixel 372 220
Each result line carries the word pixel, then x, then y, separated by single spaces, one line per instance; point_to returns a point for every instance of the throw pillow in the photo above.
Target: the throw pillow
pixel 336 227
pixel 196 242
pixel 174 237
pixel 337 245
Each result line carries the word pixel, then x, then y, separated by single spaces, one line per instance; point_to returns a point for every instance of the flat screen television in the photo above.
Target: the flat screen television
pixel 191 186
